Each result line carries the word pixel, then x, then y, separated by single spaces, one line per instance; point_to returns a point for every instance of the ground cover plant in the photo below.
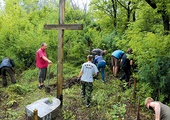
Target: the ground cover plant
pixel 109 102
pixel 140 25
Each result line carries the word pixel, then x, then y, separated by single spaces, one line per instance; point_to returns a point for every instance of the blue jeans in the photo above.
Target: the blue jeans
pixel 101 66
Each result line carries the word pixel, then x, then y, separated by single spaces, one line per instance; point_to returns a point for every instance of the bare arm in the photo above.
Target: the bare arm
pixel 131 62
pixel 46 59
pixel 156 107
pixel 80 74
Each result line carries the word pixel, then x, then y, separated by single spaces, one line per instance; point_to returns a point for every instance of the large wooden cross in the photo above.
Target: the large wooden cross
pixel 61 27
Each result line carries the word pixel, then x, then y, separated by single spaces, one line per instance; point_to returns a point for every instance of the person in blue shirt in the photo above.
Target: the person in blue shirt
pixel 7 66
pixel 115 59
pixel 101 64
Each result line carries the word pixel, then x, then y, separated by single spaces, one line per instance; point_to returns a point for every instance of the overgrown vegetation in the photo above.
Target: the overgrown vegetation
pixel 140 25
pixel 108 99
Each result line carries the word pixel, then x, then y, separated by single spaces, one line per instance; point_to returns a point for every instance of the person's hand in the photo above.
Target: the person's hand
pixel 49 61
pixel 95 77
pixel 131 62
pixel 78 79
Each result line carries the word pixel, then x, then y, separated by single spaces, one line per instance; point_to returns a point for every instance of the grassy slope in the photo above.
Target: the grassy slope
pixel 108 100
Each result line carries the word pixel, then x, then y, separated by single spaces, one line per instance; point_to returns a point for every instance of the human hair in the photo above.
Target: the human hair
pixel 90 57
pixel 129 50
pixel 105 51
pixel 42 44
pixel 148 99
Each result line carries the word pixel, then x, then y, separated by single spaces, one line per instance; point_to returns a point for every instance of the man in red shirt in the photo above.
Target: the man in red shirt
pixel 42 63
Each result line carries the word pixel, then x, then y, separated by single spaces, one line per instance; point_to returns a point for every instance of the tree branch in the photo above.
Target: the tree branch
pixel 152 4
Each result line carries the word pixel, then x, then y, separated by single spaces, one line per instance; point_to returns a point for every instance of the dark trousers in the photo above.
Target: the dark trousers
pixel 4 72
pixel 126 74
pixel 42 74
pixel 86 90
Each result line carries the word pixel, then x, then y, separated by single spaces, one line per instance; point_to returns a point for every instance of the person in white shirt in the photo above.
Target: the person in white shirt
pixel 86 74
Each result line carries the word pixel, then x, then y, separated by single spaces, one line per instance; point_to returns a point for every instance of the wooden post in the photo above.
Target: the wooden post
pixel 60 50
pixel 35 114
pixel 134 90
pixel 138 114
pixel 61 27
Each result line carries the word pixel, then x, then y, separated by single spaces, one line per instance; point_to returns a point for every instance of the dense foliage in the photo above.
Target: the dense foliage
pixel 108 24
pixel 108 100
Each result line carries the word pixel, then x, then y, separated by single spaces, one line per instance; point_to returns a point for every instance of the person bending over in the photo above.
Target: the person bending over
pixel 162 111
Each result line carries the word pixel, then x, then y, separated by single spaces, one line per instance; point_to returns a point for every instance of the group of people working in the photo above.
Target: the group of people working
pixel 89 70
pixel 42 63
pixel 118 59
pixel 96 63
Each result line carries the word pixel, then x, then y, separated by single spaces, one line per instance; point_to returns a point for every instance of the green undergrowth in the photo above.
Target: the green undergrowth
pixel 105 102
pixel 109 102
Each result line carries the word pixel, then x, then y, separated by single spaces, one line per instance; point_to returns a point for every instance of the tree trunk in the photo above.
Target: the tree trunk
pixel 114 6
pixel 165 17
pixel 128 14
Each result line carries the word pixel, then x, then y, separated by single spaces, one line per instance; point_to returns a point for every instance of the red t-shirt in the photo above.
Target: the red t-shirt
pixel 41 63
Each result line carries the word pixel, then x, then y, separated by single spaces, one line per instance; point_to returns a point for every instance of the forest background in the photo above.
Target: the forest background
pixel 142 25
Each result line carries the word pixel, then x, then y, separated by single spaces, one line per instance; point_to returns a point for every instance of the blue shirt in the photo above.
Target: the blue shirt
pixel 6 62
pixel 98 59
pixel 118 54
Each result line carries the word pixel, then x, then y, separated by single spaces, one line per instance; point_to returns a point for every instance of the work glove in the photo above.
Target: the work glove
pixel 95 77
pixel 78 79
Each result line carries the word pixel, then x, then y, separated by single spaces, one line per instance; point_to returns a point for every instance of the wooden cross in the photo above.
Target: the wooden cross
pixel 61 27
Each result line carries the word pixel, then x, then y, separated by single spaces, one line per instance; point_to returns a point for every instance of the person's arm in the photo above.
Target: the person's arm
pixel 156 107
pixel 79 76
pixel 95 60
pixel 46 59
pixel 96 71
pixel 12 62
pixel 95 74
pixel 131 62
pixel 93 52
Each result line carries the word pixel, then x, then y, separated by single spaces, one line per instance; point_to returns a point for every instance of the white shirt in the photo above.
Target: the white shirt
pixel 88 69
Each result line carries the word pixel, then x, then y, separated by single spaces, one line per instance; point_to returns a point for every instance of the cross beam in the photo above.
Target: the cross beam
pixel 64 27
pixel 61 27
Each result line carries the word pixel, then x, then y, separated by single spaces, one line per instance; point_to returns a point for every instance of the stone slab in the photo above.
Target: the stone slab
pixel 44 106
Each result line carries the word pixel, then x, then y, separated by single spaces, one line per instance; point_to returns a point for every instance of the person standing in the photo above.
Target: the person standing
pixel 101 64
pixel 42 63
pixel 162 111
pixel 126 63
pixel 115 59
pixel 86 77
pixel 7 65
